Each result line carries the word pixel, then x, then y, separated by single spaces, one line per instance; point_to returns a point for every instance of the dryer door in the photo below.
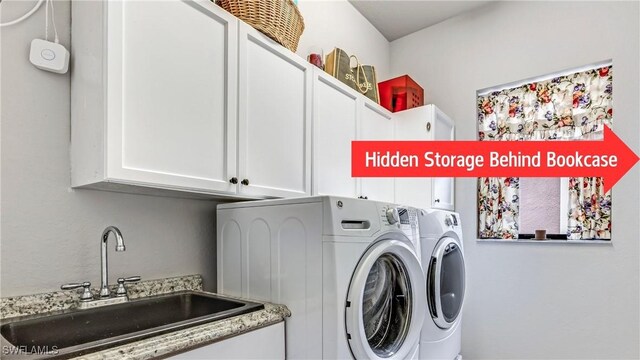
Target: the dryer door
pixel 446 282
pixel 386 301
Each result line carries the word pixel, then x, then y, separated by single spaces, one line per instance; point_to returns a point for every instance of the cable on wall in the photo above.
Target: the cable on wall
pixel 25 16
pixel 47 5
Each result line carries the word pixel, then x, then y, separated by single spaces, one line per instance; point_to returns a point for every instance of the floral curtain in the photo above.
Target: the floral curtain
pixel 498 208
pixel 589 209
pixel 569 107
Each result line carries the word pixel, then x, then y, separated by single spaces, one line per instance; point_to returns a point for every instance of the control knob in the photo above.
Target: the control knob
pixel 392 215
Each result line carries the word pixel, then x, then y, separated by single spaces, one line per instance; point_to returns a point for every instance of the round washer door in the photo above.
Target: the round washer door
pixel 386 301
pixel 446 282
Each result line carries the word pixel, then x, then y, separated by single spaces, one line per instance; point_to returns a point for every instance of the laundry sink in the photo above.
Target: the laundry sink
pixel 79 332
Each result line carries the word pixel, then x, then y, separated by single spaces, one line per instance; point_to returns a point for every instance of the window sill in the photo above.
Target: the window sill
pixel 549 237
pixel 592 242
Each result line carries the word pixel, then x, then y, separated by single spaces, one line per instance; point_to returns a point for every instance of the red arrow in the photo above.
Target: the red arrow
pixel 610 158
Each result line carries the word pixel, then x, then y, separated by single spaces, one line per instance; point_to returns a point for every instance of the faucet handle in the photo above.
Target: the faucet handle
pixel 86 294
pixel 122 290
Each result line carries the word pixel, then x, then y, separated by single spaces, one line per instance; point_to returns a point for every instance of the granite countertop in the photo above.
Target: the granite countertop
pixel 158 346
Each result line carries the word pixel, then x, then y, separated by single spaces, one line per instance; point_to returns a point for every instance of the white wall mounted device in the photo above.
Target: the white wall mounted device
pixel 44 54
pixel 50 56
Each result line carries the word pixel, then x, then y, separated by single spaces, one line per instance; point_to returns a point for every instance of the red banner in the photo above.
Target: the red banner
pixel 609 158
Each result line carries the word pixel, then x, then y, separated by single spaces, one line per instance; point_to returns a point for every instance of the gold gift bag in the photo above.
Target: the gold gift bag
pixel 361 77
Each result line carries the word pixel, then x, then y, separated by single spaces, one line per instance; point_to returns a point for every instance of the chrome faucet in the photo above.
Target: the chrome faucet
pixel 87 299
pixel 104 287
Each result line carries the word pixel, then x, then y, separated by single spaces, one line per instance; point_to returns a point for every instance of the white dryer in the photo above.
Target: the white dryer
pixel 444 268
pixel 348 269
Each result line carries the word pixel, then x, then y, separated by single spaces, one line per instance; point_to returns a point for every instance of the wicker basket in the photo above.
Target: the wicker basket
pixel 278 19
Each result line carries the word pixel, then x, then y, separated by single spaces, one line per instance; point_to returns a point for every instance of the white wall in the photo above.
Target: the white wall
pixel 540 300
pixel 336 23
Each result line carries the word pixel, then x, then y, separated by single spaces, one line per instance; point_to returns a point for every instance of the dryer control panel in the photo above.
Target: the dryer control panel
pixel 451 220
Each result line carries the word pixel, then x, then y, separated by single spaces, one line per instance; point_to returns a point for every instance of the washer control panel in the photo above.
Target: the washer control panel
pixel 401 217
pixel 405 216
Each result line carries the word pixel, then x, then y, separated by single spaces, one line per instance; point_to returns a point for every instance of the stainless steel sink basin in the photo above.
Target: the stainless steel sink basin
pixel 80 332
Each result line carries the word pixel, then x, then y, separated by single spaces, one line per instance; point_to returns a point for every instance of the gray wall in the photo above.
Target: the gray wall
pixel 50 233
pixel 540 300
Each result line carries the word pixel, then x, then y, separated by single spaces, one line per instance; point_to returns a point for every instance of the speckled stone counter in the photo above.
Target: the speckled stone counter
pixel 159 346
pixel 182 340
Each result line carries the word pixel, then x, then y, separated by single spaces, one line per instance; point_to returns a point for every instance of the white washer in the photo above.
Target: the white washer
pixel 348 269
pixel 444 268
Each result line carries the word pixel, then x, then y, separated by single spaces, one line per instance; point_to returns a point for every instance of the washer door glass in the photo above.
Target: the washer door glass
pixel 386 305
pixel 446 283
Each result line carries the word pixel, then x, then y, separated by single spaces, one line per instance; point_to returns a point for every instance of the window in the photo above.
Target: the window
pixel 540 207
pixel 570 106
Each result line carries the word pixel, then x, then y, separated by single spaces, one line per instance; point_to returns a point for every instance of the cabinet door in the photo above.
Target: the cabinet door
pixel 443 188
pixel 334 127
pixel 375 124
pixel 172 94
pixel 274 118
pixel 413 124
pixel 263 343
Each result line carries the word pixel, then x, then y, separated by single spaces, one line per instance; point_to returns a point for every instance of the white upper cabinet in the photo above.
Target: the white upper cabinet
pixel 340 116
pixel 153 104
pixel 335 114
pixel 424 123
pixel 376 124
pixel 180 95
pixel 274 118
pixel 443 187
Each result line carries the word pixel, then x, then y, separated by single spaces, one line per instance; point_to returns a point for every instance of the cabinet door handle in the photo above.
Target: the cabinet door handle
pixel 428 126
pixel 245 182
pixel 233 180
pixel 436 200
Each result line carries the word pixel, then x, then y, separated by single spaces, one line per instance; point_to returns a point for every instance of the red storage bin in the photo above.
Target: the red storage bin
pixel 401 93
